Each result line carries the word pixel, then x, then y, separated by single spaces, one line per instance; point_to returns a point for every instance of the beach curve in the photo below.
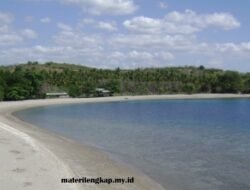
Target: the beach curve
pixel 67 158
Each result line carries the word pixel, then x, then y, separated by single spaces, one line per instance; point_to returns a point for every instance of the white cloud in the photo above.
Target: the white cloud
pixel 165 56
pixel 183 23
pixel 10 39
pixel 117 55
pixel 135 59
pixel 88 21
pixel 112 7
pixel 98 7
pixel 107 26
pixel 77 39
pixel 125 51
pixel 176 44
pixel 64 27
pixel 4 28
pixel 150 25
pixel 143 24
pixel 245 46
pixel 228 47
pixel 9 36
pixel 86 56
pixel 45 20
pixel 29 33
pixel 163 5
pixel 153 42
pixel 37 53
pixel 129 51
pixel 53 50
pixel 240 49
pixel 103 25
pixel 150 42
pixel 150 56
pixel 6 18
pixel 140 56
pixel 221 20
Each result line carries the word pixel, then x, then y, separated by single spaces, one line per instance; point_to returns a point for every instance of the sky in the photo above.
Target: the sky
pixel 127 33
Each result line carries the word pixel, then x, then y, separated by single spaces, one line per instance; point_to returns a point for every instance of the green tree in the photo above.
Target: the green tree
pixel 246 86
pixel 75 91
pixel 16 93
pixel 88 88
pixel 113 85
pixel 230 82
pixel 189 88
pixel 1 93
pixel 2 86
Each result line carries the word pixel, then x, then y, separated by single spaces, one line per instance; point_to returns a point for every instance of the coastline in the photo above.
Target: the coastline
pixel 73 159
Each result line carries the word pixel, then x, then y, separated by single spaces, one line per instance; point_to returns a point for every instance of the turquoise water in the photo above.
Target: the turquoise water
pixel 182 144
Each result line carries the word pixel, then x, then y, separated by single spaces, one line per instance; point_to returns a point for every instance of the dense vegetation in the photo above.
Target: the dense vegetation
pixel 33 80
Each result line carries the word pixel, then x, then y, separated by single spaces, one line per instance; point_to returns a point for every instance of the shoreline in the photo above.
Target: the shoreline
pixel 74 159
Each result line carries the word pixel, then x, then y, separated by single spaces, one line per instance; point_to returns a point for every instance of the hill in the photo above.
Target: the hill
pixel 32 80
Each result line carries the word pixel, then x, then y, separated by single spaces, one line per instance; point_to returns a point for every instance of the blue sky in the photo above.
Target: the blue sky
pixel 126 33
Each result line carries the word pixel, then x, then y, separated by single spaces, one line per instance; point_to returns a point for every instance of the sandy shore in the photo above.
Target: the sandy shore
pixel 33 158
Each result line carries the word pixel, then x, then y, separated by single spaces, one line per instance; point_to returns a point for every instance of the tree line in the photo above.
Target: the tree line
pixel 34 80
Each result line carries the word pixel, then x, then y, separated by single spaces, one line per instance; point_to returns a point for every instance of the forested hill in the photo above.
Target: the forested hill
pixel 33 80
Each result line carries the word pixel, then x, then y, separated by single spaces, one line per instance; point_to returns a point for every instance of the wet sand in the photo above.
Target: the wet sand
pixel 34 158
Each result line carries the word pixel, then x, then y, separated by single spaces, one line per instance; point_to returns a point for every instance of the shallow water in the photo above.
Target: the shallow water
pixel 182 144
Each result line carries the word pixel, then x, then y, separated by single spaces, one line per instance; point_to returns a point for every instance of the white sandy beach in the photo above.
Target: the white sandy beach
pixel 33 158
pixel 27 165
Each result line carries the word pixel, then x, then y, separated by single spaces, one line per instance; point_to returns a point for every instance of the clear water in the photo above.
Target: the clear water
pixel 182 144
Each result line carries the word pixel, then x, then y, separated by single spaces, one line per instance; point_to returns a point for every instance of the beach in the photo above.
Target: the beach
pixel 38 159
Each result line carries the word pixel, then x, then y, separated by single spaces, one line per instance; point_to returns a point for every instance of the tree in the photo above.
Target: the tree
pixel 32 80
pixel 1 93
pixel 201 67
pixel 2 86
pixel 246 86
pixel 230 82
pixel 113 85
pixel 189 88
pixel 88 88
pixel 75 91
pixel 16 93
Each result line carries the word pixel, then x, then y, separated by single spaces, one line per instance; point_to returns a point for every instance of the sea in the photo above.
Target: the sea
pixel 181 144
